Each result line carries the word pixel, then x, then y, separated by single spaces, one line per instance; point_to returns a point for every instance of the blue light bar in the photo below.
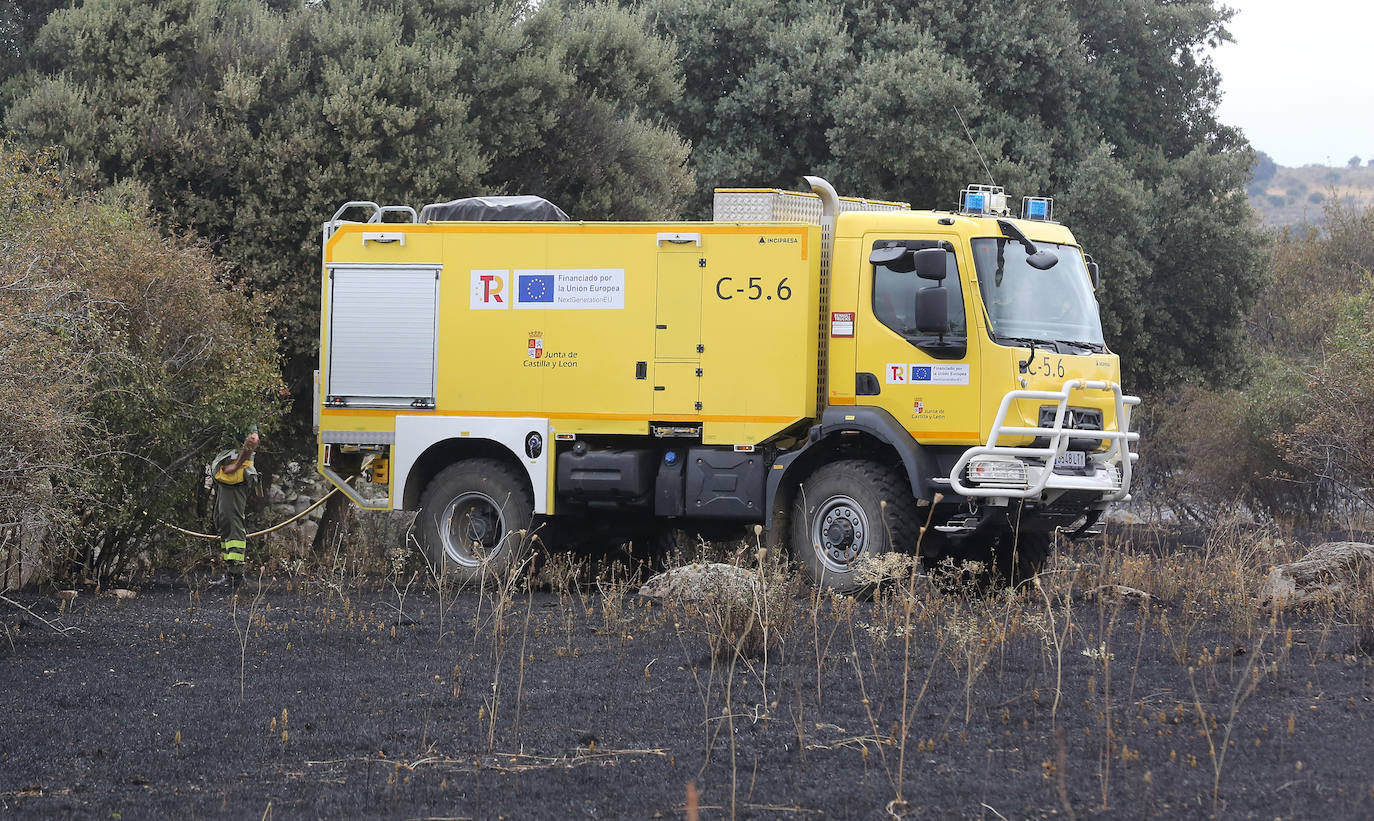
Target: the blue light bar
pixel 1036 208
pixel 983 200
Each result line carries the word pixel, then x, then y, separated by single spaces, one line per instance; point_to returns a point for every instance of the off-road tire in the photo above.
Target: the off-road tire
pixel 839 518
pixel 474 520
pixel 1019 557
pixel 1008 559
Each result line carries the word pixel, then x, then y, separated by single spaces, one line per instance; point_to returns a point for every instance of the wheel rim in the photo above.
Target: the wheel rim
pixel 839 531
pixel 473 529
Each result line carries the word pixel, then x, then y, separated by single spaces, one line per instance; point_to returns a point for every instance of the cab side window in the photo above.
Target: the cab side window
pixel 894 294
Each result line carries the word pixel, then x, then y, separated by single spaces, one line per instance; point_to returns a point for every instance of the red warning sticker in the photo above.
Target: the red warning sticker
pixel 842 323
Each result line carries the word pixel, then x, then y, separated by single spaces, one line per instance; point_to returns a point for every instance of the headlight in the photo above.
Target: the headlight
pixel 997 472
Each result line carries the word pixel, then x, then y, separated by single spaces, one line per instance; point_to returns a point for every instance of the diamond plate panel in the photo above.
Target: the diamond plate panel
pixel 773 205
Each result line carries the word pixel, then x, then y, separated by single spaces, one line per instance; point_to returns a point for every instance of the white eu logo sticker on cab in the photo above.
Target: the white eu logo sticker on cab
pixel 939 374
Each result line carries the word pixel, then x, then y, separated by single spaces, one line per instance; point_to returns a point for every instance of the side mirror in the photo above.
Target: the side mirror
pixel 932 306
pixel 896 258
pixel 1095 275
pixel 1042 260
pixel 929 263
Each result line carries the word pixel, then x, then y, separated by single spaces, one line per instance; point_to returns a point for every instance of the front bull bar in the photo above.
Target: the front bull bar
pixel 1041 476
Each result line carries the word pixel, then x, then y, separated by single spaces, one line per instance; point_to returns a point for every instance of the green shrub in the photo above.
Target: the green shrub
pixel 1294 441
pixel 1210 449
pixel 1335 441
pixel 129 358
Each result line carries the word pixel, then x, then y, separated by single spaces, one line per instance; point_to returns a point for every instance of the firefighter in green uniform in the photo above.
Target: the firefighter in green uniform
pixel 235 480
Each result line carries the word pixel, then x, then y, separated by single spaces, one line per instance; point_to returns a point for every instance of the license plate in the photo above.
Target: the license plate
pixel 1070 459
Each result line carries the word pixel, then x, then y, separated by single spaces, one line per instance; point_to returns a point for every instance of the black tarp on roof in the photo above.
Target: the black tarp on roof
pixel 525 208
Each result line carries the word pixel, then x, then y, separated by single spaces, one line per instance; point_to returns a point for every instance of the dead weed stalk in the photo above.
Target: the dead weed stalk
pixel 244 633
pixel 1246 683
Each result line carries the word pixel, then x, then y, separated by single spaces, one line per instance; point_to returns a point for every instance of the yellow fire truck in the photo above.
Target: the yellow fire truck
pixel 848 373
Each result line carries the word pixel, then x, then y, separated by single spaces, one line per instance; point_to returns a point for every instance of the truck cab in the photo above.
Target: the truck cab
pixel 975 335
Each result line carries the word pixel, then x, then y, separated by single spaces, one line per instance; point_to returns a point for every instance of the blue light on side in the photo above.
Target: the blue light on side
pixel 670 457
pixel 1037 209
pixel 975 202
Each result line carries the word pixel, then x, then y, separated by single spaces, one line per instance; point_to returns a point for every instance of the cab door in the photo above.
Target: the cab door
pixel 929 382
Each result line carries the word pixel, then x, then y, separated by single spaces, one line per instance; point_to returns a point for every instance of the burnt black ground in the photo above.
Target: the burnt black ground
pixel 610 716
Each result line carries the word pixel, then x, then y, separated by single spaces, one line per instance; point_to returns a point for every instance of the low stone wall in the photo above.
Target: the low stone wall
pixel 291 492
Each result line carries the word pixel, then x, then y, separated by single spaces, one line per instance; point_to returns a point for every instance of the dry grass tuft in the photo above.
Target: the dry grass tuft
pixel 1356 606
pixel 749 620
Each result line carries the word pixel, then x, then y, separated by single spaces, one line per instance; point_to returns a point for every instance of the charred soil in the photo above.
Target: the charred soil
pixel 1076 697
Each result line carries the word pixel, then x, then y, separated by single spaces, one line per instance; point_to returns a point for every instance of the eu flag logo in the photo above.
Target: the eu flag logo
pixel 536 288
pixel 920 373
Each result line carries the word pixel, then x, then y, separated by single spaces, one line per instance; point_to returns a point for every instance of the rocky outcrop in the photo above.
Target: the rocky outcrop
pixel 1326 571
pixel 697 582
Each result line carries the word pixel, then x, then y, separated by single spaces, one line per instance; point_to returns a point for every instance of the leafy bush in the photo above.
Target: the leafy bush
pixel 252 121
pixel 1094 106
pixel 1209 449
pixel 1335 441
pixel 1296 440
pixel 128 360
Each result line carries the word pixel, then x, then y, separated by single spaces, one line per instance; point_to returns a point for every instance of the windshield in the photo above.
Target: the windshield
pixel 1023 303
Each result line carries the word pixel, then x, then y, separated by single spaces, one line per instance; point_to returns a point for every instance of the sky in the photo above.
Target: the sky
pixel 1298 78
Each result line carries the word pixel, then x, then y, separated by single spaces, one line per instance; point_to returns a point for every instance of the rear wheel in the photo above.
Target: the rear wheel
pixel 840 518
pixel 474 519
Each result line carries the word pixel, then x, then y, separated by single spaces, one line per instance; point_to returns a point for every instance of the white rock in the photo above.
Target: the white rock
pixel 695 582
pixel 1325 571
pixel 1121 516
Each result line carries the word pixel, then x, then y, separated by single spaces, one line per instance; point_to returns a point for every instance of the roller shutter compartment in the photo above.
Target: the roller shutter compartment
pixel 382 328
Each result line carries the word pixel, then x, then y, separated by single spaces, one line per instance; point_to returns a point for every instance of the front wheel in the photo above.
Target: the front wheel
pixel 474 517
pixel 849 511
pixel 1008 557
pixel 1018 557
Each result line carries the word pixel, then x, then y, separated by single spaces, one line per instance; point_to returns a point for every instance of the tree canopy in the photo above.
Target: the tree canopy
pixel 1109 106
pixel 251 121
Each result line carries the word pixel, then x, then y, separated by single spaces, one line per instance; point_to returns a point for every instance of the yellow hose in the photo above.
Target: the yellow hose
pixel 277 526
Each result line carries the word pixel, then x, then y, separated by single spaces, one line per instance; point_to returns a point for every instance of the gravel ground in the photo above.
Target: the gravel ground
pixel 298 701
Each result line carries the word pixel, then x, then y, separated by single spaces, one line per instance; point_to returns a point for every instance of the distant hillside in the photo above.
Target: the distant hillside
pixel 1294 196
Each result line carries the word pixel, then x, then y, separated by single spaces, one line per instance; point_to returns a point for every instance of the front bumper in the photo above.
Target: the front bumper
pixel 1107 472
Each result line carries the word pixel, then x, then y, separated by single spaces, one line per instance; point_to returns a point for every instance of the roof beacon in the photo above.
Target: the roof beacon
pixel 983 200
pixel 1037 208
